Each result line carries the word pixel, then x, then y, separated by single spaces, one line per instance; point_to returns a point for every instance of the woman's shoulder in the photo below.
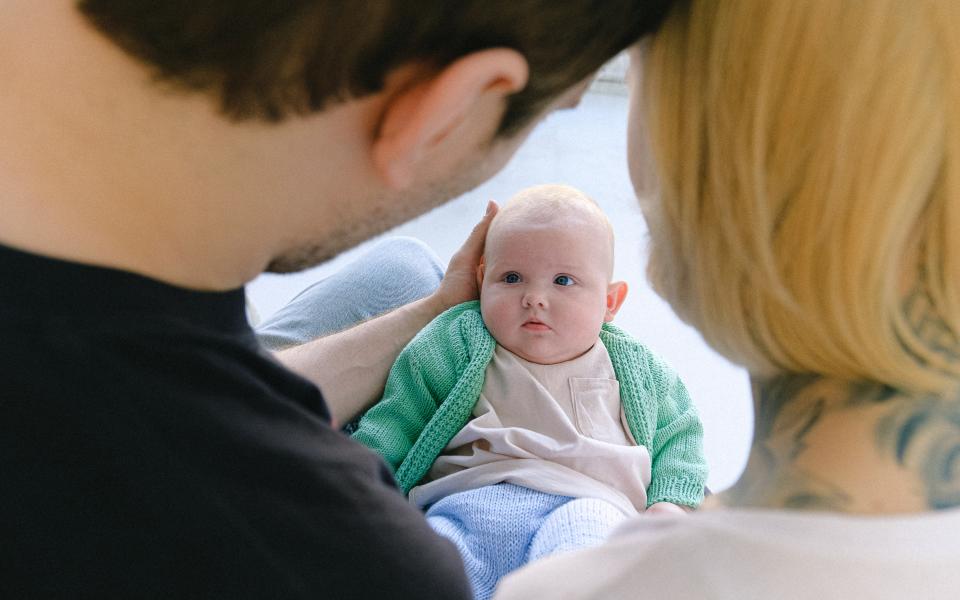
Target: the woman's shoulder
pixel 756 553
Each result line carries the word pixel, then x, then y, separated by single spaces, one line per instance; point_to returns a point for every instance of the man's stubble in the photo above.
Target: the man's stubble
pixel 389 210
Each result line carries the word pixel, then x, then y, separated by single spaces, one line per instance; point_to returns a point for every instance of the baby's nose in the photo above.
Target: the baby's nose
pixel 534 298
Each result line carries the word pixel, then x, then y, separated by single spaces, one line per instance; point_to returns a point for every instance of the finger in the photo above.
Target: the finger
pixel 480 229
pixel 472 248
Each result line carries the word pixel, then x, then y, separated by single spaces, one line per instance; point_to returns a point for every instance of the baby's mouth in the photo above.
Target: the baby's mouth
pixel 535 325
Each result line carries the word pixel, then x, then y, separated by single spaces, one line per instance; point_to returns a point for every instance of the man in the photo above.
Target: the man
pixel 154 157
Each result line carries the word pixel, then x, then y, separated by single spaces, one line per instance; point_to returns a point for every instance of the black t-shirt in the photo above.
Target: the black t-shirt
pixel 150 448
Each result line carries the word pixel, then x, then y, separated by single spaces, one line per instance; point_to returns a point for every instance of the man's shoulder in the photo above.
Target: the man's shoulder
pixel 209 468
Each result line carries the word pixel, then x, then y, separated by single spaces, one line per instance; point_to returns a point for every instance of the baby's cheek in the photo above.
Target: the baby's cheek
pixel 495 315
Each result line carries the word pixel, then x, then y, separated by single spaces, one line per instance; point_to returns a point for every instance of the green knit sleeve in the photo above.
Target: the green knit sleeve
pixel 419 380
pixel 679 470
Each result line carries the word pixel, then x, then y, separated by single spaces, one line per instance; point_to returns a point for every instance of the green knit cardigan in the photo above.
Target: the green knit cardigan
pixel 435 383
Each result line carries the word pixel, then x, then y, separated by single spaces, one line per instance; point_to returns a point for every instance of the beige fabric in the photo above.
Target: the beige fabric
pixel 554 428
pixel 756 554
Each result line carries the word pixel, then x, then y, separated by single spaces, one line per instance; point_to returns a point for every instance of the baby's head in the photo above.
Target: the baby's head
pixel 545 279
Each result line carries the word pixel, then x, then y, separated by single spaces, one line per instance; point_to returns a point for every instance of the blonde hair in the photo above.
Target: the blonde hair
pixel 807 158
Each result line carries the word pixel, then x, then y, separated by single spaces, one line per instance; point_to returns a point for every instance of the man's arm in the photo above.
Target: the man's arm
pixel 351 366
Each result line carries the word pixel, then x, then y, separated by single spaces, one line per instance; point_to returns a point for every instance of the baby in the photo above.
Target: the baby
pixel 526 424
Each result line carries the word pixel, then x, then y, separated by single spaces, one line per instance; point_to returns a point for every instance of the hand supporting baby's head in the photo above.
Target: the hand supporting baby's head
pixel 545 281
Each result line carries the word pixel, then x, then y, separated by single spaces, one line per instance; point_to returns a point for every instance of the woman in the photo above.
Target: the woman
pixel 800 163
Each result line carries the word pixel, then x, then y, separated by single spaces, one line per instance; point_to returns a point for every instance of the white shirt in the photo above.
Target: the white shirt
pixel 556 428
pixel 747 554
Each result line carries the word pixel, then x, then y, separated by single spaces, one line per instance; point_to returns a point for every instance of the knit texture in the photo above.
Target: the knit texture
pixel 436 381
pixel 499 528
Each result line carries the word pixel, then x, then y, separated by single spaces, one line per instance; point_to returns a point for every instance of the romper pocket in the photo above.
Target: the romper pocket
pixel 596 409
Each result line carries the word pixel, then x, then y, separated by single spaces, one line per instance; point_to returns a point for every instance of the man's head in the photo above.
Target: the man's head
pixel 342 118
pixel 270 59
pixel 545 281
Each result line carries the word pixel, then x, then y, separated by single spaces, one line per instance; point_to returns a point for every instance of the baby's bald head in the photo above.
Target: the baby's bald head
pixel 554 206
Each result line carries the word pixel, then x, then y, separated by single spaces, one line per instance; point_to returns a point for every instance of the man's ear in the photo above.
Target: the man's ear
pixel 416 119
pixel 616 294
pixel 480 271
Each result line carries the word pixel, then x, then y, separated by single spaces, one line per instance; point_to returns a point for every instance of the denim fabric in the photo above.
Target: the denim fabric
pixel 395 272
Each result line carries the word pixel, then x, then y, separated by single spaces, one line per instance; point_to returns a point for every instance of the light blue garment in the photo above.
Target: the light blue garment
pixel 499 528
pixel 395 272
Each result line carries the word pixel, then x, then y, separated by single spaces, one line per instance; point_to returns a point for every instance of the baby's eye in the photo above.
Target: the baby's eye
pixel 511 278
pixel 563 280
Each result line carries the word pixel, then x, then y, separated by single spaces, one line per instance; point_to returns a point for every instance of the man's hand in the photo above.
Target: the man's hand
pixel 460 281
pixel 351 366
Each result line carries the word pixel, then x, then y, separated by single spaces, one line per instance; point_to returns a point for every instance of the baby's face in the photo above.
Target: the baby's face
pixel 544 289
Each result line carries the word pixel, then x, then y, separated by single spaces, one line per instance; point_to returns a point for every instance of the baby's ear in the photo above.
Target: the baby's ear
pixel 616 294
pixel 480 269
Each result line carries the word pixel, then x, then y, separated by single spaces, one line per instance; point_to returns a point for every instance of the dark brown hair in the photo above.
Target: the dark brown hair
pixel 268 59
